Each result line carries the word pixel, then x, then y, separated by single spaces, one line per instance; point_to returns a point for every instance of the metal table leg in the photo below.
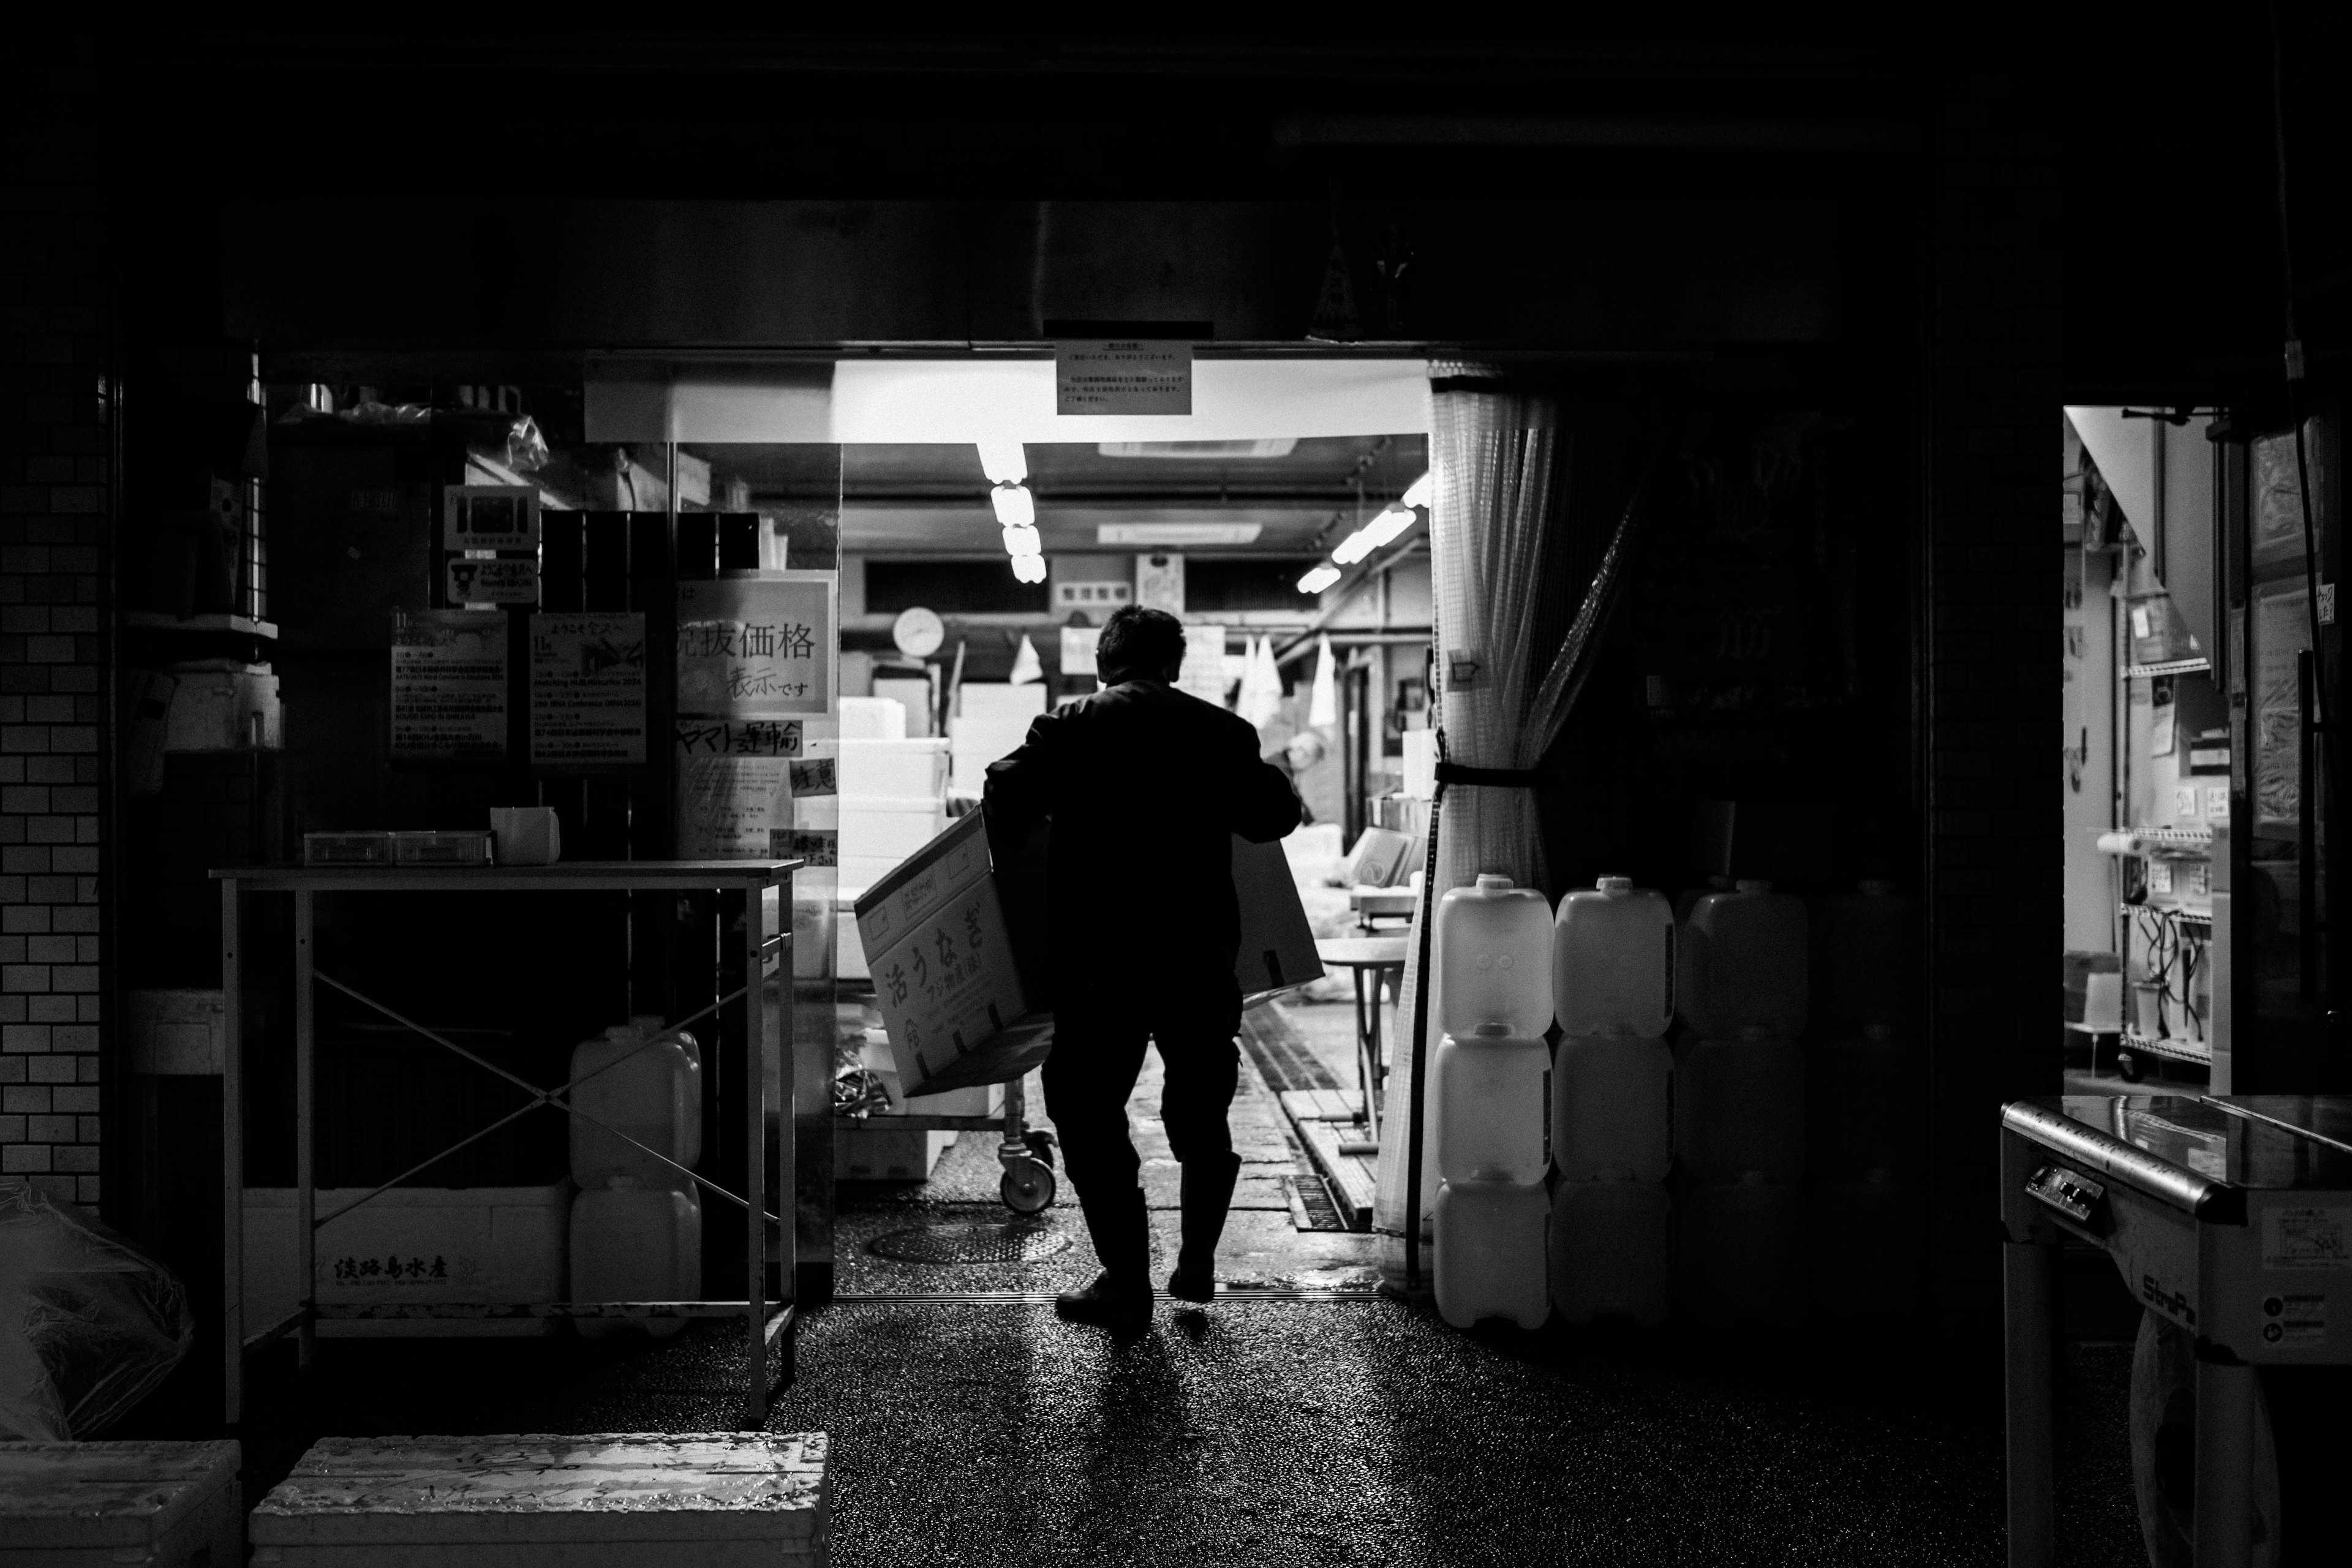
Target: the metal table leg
pixel 306 1175
pixel 232 1157
pixel 2225 1462
pixel 2029 1278
pixel 755 1161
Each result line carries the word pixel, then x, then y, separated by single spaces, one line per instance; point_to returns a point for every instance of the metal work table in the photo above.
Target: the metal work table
pixel 2229 1217
pixel 767 959
pixel 1378 961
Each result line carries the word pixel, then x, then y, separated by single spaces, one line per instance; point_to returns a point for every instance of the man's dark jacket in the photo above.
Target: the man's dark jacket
pixel 1145 785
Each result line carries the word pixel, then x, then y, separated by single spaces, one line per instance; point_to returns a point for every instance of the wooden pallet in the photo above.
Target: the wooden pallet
pixel 1323 1104
pixel 1353 1176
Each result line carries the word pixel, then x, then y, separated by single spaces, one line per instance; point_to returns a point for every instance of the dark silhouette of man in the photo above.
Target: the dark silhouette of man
pixel 1145 786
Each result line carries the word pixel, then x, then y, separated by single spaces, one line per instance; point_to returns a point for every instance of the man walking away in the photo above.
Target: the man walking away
pixel 1145 786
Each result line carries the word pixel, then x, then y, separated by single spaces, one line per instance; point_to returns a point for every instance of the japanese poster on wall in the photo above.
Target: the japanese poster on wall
pixel 588 689
pixel 734 786
pixel 2281 633
pixel 757 648
pixel 450 685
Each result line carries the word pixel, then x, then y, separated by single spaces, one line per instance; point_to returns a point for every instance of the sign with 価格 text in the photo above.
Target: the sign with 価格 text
pixel 512 582
pixel 489 517
pixel 1122 376
pixel 588 689
pixel 757 646
pixel 450 685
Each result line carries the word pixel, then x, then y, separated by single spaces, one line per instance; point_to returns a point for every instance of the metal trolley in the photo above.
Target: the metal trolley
pixel 1026 1152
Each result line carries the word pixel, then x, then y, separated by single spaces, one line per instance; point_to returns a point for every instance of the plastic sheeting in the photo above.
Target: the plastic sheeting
pixel 88 1324
pixel 1525 582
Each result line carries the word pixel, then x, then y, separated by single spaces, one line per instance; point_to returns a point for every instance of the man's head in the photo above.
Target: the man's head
pixel 1139 645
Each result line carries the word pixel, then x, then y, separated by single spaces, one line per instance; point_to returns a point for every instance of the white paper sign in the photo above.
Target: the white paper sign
pixel 1078 645
pixel 728 806
pixel 757 648
pixel 450 685
pixel 588 689
pixel 1122 376
pixel 489 517
pixel 1160 582
pixel 511 582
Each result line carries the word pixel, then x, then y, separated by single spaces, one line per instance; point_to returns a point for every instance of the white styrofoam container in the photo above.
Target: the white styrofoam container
pixel 890 828
pixel 872 719
pixel 849 952
pixel 864 870
pixel 894 768
pixel 476 1245
pixel 636 1499
pixel 167 1505
pixel 175 1033
pixel 879 1153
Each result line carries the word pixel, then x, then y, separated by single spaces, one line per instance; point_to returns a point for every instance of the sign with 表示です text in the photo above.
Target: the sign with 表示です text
pixel 757 646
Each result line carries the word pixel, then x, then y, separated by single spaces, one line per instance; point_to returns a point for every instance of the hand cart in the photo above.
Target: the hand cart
pixel 2231 1220
pixel 766 888
pixel 1026 1152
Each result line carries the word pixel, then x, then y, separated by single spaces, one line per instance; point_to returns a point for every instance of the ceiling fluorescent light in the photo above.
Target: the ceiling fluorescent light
pixel 1353 548
pixel 1029 569
pixel 1421 492
pixel 1176 534
pixel 1018 541
pixel 1389 524
pixel 1318 580
pixel 1015 507
pixel 1270 447
pixel 1004 461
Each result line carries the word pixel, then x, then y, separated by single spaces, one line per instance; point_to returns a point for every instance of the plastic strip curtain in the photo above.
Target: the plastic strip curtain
pixel 1511 558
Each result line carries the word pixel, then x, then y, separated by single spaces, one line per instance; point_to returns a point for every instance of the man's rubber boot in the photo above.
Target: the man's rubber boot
pixel 1120 1297
pixel 1208 1191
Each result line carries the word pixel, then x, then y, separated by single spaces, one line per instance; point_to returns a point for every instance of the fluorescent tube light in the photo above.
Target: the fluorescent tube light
pixel 1015 507
pixel 1004 461
pixel 1176 534
pixel 1029 568
pixel 1389 524
pixel 1421 492
pixel 1020 541
pixel 1353 548
pixel 1320 578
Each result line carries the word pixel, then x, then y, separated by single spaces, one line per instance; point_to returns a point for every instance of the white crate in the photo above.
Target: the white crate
pixel 893 769
pixel 164 1505
pixel 477 1245
pixel 890 828
pixel 707 1499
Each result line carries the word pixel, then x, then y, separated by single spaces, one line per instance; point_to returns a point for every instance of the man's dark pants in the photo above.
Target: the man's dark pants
pixel 1098 1043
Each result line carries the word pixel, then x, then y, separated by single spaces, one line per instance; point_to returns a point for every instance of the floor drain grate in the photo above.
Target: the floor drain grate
pixel 1013 1243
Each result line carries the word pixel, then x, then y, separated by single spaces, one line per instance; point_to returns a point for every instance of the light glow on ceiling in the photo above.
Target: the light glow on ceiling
pixel 1176 534
pixel 1015 507
pixel 1004 461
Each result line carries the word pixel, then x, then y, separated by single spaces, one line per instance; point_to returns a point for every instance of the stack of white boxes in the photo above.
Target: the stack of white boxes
pixel 893 801
pixel 991 721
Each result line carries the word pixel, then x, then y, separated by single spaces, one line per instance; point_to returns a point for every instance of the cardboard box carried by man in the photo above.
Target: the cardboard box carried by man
pixel 955 939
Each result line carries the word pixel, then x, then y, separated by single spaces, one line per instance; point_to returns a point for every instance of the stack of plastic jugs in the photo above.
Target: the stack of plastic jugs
pixel 1740 1106
pixel 636 1225
pixel 1613 992
pixel 1486 1103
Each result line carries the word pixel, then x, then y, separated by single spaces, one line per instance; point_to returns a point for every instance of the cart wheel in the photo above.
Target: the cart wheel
pixel 2129 1065
pixel 1027 1187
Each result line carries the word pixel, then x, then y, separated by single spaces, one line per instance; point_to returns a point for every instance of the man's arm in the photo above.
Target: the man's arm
pixel 1021 787
pixel 1263 802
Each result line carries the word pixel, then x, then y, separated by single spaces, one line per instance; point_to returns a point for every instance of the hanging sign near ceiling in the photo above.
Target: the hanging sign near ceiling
pixel 757 648
pixel 450 685
pixel 1122 376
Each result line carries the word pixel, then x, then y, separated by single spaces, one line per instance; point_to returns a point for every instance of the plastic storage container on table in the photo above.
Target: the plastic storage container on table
pixel 1493 951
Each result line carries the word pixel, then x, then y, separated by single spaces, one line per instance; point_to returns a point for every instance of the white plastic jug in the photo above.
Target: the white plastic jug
pixel 1739 1108
pixel 1865 1105
pixel 1738 1251
pixel 1494 959
pixel 1488 1252
pixel 1743 965
pixel 650 1023
pixel 654 1095
pixel 1865 960
pixel 1612 961
pixel 1609 1251
pixel 1487 1092
pixel 631 1242
pixel 1862 1252
pixel 1610 1117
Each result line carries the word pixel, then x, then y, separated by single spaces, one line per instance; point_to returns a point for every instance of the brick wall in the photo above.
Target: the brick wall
pixel 1995 863
pixel 55 506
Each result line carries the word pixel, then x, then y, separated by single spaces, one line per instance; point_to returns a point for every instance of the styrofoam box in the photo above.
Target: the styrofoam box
pixel 872 719
pixel 166 1505
pixel 862 872
pixel 894 768
pixel 634 1500
pixel 887 1154
pixel 890 828
pixel 489 1245
pixel 175 1033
